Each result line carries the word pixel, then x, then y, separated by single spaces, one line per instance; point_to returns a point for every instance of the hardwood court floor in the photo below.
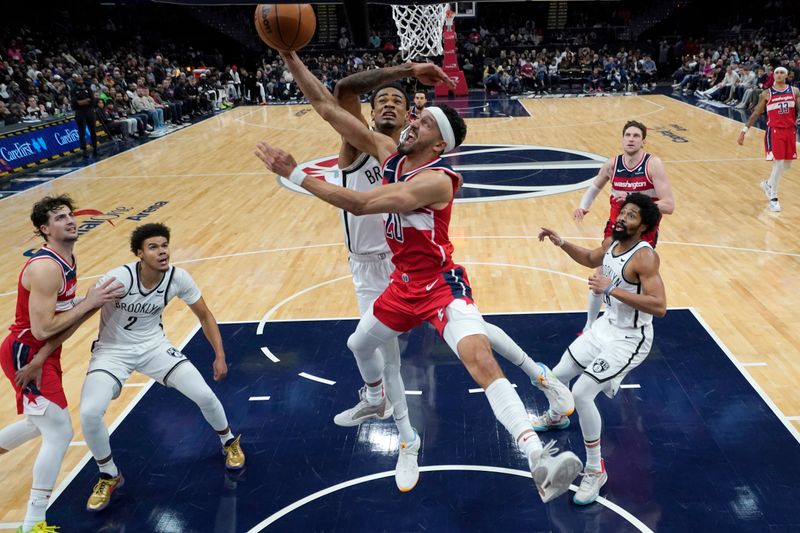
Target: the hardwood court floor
pixel 253 245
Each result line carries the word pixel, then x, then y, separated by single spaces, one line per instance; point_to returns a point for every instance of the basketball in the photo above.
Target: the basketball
pixel 285 26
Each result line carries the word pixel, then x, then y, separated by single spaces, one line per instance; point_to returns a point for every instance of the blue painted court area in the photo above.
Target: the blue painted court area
pixel 695 448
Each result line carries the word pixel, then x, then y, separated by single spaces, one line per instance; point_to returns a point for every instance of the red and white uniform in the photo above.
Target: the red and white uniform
pixel 20 345
pixel 627 180
pixel 425 280
pixel 413 114
pixel 781 136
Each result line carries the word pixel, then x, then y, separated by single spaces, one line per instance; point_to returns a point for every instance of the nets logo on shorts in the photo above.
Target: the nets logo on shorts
pixel 494 172
pixel 600 366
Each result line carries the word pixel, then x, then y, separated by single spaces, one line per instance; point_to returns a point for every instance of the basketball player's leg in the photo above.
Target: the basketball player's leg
pixel 573 361
pixel 108 371
pixel 370 278
pixel 371 334
pixel 465 333
pixel 16 434
pixel 55 427
pixel 167 365
pixel 540 375
pixel 585 390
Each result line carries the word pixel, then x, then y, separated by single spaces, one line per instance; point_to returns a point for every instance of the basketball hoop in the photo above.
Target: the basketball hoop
pixel 420 29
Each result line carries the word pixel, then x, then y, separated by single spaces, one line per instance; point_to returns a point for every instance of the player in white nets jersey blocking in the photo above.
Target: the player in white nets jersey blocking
pixel 618 341
pixel 426 285
pixel 371 262
pixel 131 337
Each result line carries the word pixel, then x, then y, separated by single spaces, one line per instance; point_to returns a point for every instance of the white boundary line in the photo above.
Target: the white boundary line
pixel 413 393
pixel 316 378
pixel 630 386
pixel 759 363
pixel 747 376
pixel 638 524
pixel 258 398
pixel 86 458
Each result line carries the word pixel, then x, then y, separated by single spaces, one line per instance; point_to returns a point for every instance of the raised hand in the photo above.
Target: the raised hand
pixel 552 235
pixel 430 74
pixel 275 159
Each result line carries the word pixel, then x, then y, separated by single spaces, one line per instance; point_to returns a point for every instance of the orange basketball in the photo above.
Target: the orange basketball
pixel 285 26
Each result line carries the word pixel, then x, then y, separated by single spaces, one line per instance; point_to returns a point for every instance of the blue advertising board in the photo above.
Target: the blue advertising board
pixel 38 144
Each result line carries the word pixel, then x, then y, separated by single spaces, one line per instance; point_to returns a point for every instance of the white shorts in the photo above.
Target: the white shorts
pixel 156 361
pixel 370 277
pixel 607 353
pixel 463 319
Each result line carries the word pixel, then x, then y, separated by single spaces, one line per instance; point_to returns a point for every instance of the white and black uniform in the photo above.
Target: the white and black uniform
pixel 370 256
pixel 620 339
pixel 131 335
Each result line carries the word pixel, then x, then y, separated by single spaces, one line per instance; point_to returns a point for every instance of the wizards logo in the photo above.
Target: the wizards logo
pixel 494 172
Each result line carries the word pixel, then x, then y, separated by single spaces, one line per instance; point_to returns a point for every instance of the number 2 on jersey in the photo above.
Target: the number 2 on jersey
pixel 131 322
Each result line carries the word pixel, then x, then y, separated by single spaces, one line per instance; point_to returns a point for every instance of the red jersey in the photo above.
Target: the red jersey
pixel 628 180
pixel 21 328
pixel 419 240
pixel 781 112
pixel 412 114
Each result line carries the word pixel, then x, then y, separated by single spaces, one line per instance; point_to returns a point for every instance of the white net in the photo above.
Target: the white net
pixel 420 29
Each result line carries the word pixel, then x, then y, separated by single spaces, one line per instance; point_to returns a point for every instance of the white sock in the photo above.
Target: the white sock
pixel 37 506
pixel 109 468
pixel 593 455
pixel 226 437
pixel 511 351
pixel 593 309
pixel 531 446
pixel 509 411
pixel 403 423
pixel 375 393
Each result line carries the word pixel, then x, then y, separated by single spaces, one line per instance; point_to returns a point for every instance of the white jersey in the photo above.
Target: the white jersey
pixel 363 235
pixel 619 314
pixel 135 319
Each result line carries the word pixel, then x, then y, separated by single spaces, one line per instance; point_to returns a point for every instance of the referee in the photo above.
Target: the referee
pixel 84 104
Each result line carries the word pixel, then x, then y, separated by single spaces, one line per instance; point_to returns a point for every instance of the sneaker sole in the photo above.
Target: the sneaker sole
pixel 560 425
pixel 565 473
pixel 407 489
pixel 97 509
pixel 234 468
pixel 576 501
pixel 358 421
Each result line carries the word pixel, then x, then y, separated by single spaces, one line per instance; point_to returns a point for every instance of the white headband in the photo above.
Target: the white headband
pixel 444 127
pixel 781 69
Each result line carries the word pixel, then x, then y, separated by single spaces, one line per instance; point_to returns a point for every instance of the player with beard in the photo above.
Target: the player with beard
pixel 371 264
pixel 634 170
pixel 426 285
pixel 48 313
pixel 632 289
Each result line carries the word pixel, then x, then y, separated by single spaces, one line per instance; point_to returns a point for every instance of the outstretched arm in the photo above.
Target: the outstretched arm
pixel 757 112
pixel 599 181
pixel 429 188
pixel 352 129
pixel 349 90
pixel 212 334
pixel 583 256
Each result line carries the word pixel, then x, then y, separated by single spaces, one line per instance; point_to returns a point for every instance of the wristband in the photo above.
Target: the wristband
pixel 744 130
pixel 562 242
pixel 297 176
pixel 608 289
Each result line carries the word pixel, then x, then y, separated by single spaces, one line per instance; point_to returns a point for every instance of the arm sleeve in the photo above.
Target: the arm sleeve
pixel 589 196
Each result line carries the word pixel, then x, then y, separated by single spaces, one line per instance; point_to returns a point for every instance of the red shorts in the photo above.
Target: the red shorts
pixel 780 143
pixel 14 355
pixel 651 237
pixel 407 302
